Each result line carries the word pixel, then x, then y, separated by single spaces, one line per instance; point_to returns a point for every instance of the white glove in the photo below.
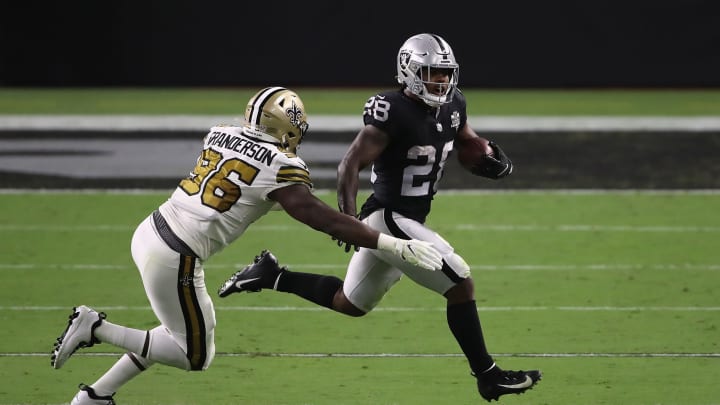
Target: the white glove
pixel 416 252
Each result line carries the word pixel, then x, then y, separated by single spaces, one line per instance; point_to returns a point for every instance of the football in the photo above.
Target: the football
pixel 471 151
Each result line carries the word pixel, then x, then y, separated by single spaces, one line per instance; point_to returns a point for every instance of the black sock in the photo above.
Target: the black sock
pixel 465 325
pixel 313 287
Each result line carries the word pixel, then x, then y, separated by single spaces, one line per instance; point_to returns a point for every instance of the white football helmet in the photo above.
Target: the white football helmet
pixel 421 53
pixel 276 114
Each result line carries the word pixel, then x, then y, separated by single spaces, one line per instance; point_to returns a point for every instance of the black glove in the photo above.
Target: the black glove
pixel 493 167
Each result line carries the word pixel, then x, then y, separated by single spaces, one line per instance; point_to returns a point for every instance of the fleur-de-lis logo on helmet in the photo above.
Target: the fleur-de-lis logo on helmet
pixel 276 114
pixel 296 114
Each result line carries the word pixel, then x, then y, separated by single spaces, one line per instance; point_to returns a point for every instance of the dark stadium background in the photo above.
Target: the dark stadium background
pixel 508 43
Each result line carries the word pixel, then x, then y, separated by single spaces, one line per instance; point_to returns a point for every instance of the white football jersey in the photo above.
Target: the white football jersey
pixel 228 189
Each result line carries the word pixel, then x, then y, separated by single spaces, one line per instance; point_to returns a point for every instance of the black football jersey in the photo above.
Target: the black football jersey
pixel 405 176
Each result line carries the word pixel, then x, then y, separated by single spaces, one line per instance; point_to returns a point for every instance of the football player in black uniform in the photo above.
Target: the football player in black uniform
pixel 408 136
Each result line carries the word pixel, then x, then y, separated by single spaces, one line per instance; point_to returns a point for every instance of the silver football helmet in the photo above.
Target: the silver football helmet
pixel 416 57
pixel 276 114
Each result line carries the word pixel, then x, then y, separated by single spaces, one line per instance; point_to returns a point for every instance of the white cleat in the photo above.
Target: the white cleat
pixel 79 333
pixel 87 396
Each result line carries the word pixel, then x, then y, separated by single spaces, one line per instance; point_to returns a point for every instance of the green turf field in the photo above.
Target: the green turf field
pixel 350 101
pixel 612 295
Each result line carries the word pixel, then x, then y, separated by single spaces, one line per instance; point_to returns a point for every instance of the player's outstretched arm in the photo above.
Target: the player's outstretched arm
pixel 301 204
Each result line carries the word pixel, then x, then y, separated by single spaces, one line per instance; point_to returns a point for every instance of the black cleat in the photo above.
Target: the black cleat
pixel 496 382
pixel 262 273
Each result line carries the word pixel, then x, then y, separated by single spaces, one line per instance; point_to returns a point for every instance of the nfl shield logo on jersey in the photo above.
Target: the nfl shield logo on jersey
pixel 455 120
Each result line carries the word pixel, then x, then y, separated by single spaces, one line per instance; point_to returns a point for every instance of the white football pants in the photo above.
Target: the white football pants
pixel 175 285
pixel 371 273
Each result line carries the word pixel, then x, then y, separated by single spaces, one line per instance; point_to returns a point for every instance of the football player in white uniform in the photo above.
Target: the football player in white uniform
pixel 242 172
pixel 408 136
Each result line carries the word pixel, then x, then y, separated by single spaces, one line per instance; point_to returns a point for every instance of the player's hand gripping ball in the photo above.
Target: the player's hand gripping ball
pixel 484 158
pixel 471 152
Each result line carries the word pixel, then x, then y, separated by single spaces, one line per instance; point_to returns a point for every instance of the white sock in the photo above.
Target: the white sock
pixel 156 345
pixel 124 370
pixel 132 340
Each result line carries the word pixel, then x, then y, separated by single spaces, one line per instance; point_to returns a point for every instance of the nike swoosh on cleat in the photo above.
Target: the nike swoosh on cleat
pixel 240 283
pixel 527 383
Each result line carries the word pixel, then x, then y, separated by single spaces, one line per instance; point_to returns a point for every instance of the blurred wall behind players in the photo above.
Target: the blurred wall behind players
pixel 508 44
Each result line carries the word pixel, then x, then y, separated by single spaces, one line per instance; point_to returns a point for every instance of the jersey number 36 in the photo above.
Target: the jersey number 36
pixel 219 192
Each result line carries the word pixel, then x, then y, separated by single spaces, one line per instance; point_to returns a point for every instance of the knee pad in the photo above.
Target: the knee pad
pixel 163 348
pixel 457 264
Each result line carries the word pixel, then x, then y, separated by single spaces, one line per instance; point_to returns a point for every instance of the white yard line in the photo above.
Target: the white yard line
pixel 340 266
pixel 353 123
pixel 461 227
pixel 443 192
pixel 409 355
pixel 390 309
